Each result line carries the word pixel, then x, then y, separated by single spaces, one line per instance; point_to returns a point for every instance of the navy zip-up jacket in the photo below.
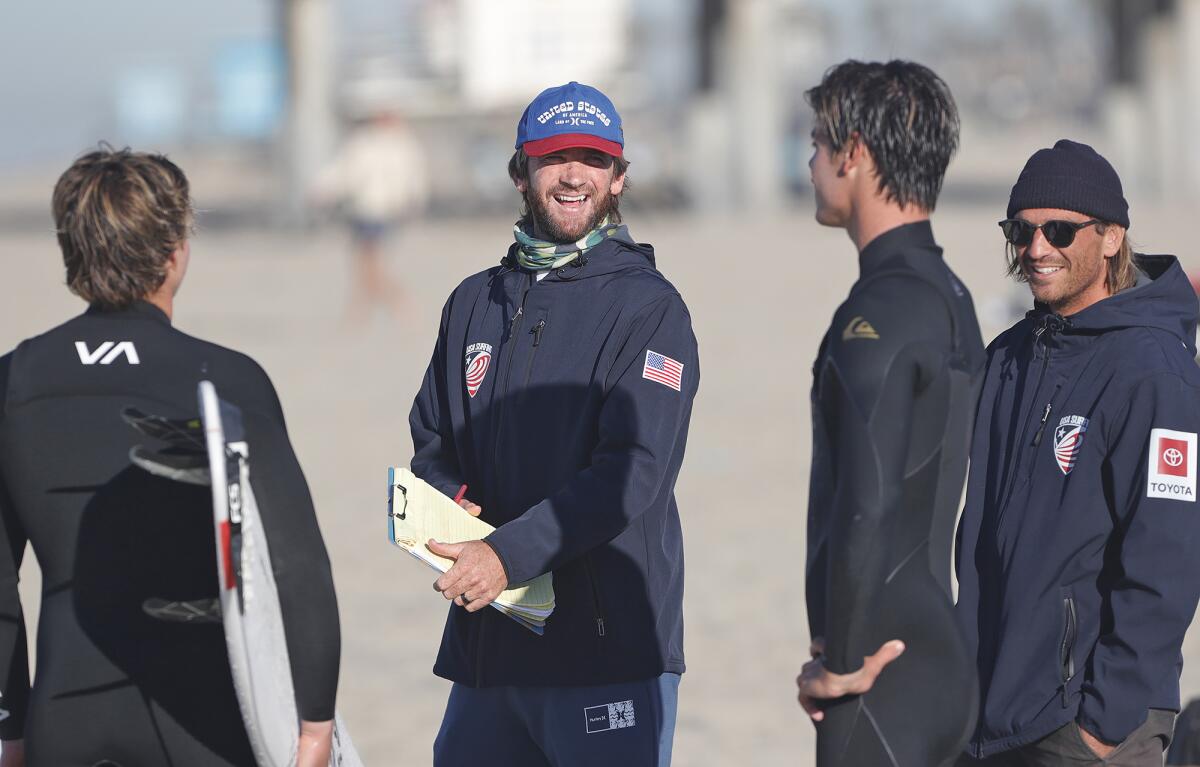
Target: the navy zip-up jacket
pixel 1077 565
pixel 556 403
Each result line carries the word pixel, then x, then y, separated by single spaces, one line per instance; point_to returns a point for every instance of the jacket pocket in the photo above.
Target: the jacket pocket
pixel 1066 648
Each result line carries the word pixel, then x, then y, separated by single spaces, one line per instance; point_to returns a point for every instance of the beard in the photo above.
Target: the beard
pixel 604 203
pixel 1079 277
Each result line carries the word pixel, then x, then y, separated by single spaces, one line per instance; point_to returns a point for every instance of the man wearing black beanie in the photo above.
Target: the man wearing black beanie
pixel 1076 564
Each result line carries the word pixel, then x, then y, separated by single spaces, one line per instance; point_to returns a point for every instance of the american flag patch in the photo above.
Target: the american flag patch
pixel 664 370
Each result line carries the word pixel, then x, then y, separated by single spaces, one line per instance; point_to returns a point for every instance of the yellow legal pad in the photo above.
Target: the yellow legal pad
pixel 418 512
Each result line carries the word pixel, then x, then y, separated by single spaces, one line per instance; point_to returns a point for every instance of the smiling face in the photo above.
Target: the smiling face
pixel 569 192
pixel 1069 279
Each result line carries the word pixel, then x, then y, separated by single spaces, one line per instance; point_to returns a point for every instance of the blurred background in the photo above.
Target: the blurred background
pixel 293 118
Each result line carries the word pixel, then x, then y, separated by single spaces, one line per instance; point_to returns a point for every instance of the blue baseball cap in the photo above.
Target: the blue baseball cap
pixel 571 115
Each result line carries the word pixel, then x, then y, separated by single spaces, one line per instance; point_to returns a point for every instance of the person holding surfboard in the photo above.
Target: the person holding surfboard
pixel 132 663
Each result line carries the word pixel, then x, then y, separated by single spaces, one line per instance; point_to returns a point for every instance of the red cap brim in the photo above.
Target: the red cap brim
pixel 550 144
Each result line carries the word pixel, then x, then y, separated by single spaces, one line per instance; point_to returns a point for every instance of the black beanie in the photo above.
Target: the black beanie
pixel 1071 176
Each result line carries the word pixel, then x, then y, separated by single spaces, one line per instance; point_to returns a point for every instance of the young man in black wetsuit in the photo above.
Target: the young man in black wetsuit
pixel 118 681
pixel 895 379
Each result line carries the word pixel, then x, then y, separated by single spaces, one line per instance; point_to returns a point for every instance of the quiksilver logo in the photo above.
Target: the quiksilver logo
pixel 859 327
pixel 107 352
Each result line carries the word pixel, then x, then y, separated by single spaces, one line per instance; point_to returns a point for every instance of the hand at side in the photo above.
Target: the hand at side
pixel 819 683
pixel 316 740
pixel 1098 747
pixel 12 753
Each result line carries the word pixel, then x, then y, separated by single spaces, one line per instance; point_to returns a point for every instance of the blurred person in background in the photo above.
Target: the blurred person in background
pixel 896 377
pixel 1077 567
pixel 131 657
pixel 379 180
pixel 560 393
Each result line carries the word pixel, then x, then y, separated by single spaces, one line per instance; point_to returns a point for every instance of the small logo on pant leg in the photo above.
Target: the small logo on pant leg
pixel 610 716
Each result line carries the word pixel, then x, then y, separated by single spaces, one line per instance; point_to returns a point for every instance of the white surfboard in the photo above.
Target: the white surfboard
pixel 254 633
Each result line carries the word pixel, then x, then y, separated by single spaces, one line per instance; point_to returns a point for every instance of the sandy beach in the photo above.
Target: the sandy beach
pixel 761 290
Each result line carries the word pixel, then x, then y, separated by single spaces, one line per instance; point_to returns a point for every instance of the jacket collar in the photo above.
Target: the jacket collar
pixel 1162 299
pixel 614 254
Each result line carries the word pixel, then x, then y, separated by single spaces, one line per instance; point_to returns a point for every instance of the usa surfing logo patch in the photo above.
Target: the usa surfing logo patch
pixel 1068 438
pixel 1171 472
pixel 476 364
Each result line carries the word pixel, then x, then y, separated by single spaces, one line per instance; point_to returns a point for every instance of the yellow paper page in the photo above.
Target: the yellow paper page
pixel 420 512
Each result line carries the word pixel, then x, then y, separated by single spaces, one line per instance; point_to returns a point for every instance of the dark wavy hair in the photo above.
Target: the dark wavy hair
pixel 905 115
pixel 119 215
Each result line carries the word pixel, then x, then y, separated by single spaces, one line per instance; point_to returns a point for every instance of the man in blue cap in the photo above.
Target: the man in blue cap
pixel 559 395
pixel 1077 567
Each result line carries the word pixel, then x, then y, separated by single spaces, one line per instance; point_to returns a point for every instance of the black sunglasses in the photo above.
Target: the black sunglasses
pixel 1058 233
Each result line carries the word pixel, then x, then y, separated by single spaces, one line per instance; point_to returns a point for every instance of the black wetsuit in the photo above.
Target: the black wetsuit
pixel 895 386
pixel 114 682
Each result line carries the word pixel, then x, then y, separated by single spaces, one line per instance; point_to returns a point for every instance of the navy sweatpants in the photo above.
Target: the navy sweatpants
pixel 631 723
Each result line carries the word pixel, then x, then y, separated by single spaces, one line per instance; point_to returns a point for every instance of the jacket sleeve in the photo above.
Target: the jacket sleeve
pixel 1157 531
pixel 641 436
pixel 14 653
pixel 435 459
pixel 300 563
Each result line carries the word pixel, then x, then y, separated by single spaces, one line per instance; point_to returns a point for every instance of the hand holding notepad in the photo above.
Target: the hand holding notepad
pixel 417 512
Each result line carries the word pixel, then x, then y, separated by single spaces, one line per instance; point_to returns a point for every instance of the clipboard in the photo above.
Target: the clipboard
pixel 417 512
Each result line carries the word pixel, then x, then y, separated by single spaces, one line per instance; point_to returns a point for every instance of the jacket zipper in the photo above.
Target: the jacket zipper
pixel 479 648
pixel 513 326
pixel 591 576
pixel 1066 654
pixel 976 748
pixel 1037 439
pixel 536 332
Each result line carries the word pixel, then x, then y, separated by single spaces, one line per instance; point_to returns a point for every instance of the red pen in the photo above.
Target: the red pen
pixel 462 493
